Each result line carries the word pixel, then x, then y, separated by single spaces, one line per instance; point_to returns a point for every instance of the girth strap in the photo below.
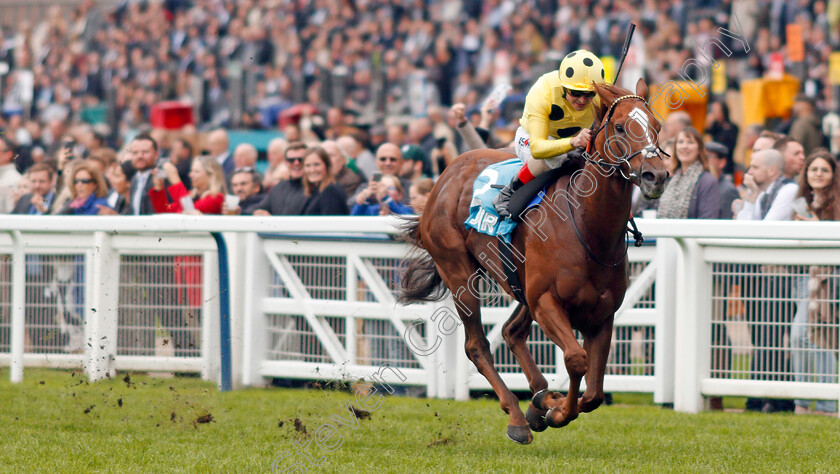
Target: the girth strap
pixel 511 274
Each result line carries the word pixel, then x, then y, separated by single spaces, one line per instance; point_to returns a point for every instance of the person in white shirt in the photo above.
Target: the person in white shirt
pixel 769 194
pixel 9 175
pixel 769 197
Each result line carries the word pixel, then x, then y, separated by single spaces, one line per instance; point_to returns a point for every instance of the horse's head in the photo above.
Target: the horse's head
pixel 628 138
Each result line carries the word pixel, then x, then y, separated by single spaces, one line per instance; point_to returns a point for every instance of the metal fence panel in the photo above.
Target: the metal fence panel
pixel 55 304
pixel 160 309
pixel 775 322
pixel 5 303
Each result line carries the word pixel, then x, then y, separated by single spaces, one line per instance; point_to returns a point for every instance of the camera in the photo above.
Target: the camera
pixel 67 146
pixel 160 172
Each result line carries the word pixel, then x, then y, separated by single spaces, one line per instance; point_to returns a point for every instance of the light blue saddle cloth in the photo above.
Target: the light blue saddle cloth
pixel 483 216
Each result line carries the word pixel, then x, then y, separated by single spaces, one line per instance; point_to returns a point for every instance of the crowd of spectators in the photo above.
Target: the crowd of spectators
pixel 362 63
pixel 361 68
pixel 782 303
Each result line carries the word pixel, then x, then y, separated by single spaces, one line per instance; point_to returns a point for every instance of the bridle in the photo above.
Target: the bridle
pixel 649 152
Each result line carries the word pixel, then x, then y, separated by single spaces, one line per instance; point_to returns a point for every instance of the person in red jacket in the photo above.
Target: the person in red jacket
pixel 206 196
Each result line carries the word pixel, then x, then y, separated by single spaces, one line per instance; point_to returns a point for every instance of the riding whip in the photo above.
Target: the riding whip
pixel 624 51
pixel 630 30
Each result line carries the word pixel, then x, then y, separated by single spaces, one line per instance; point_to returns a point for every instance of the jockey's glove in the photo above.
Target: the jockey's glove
pixel 576 155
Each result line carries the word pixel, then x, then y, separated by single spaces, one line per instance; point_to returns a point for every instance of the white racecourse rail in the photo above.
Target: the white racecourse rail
pixel 709 310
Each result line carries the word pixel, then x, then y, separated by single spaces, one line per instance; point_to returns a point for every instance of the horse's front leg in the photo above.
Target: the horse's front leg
pixel 555 324
pixel 516 332
pixel 597 346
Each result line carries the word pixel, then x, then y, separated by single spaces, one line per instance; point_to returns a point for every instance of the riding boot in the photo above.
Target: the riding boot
pixel 502 201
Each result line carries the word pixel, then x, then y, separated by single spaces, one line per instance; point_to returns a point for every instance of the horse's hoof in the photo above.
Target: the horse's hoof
pixel 586 406
pixel 519 434
pixel 538 398
pixel 536 418
pixel 549 419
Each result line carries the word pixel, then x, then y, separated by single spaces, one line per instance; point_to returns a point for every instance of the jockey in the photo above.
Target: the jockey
pixel 559 110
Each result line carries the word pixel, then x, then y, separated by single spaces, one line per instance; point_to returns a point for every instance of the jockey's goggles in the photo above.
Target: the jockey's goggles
pixel 577 93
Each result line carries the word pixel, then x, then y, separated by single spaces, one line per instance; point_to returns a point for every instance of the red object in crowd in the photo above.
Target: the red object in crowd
pixel 293 114
pixel 171 115
pixel 210 204
pixel 738 178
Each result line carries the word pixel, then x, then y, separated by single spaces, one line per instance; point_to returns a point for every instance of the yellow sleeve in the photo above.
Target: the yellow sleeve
pixel 541 147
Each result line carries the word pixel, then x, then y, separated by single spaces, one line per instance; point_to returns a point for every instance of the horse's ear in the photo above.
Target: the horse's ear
pixel 642 89
pixel 606 98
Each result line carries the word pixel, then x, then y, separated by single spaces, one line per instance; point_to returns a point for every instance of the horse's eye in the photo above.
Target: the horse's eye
pixel 619 129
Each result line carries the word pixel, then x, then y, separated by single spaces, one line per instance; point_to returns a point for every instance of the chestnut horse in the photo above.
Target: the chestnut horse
pixel 566 283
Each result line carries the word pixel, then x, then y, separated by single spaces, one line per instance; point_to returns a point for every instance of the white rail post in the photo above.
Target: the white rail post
pixel 102 282
pixel 440 367
pixel 455 354
pixel 254 337
pixel 693 332
pixel 211 344
pixel 238 293
pixel 351 288
pixel 667 251
pixel 18 304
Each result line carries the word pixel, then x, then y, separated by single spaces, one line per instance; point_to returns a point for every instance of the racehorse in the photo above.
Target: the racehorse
pixel 574 274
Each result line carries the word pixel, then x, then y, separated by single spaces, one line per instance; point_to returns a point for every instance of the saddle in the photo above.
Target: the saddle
pixel 523 196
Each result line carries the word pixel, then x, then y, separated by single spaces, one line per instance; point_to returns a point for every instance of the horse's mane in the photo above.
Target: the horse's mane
pixel 608 94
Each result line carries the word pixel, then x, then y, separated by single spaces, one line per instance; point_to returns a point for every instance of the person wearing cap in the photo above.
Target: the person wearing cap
pixel 559 109
pixel 716 154
pixel 412 166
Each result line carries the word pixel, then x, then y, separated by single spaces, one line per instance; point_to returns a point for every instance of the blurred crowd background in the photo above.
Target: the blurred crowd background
pixel 264 64
pixel 331 107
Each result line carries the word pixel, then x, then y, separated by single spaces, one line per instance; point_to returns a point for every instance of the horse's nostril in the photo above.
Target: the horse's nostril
pixel 648 176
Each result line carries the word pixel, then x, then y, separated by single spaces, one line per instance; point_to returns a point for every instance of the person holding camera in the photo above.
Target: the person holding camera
pixel 389 162
pixel 382 197
pixel 206 197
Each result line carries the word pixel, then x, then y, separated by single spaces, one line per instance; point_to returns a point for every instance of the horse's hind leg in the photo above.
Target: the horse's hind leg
pixel 477 347
pixel 597 347
pixel 555 324
pixel 516 332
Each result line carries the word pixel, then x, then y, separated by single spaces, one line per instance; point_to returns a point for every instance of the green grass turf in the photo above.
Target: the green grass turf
pixel 44 428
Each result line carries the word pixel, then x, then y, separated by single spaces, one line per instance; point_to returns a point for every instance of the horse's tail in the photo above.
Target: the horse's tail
pixel 421 280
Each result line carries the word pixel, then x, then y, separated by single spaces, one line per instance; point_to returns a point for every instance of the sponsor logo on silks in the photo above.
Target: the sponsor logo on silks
pixel 484 221
pixel 523 141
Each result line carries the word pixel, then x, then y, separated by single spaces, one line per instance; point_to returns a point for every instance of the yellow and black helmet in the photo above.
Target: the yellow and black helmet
pixel 580 69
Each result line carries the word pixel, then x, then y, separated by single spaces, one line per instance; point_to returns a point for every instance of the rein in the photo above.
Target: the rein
pixel 649 153
pixel 586 246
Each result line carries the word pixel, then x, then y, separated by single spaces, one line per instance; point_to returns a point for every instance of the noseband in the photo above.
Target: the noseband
pixel 649 152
